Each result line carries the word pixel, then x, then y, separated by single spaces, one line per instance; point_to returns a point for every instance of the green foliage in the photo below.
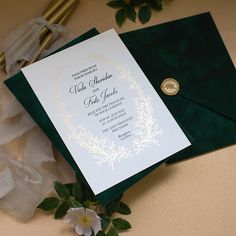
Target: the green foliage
pixel 75 203
pixel 116 4
pixel 75 195
pixel 118 198
pixel 76 191
pixel 124 209
pixel 155 4
pixel 121 16
pixel 62 190
pixel 69 186
pixel 121 224
pixel 113 226
pixel 100 233
pixel 136 3
pixel 112 232
pixel 112 208
pixel 127 9
pixel 117 206
pixel 68 196
pixel 61 210
pixel 86 192
pixel 144 14
pixel 105 221
pixel 49 204
pixel 131 13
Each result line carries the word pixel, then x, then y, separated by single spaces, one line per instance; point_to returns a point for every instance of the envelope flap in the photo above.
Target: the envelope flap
pixel 206 73
pixel 192 52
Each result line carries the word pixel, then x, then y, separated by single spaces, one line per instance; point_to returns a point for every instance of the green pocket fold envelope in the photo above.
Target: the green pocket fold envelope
pixel 192 52
pixel 189 50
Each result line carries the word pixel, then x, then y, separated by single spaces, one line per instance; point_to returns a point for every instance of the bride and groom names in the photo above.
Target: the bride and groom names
pixel 93 83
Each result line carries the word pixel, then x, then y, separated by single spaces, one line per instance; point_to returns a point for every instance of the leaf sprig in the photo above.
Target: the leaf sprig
pixel 130 9
pixel 76 195
pixel 68 196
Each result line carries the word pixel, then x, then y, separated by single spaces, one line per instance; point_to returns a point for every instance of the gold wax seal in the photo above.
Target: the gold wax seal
pixel 170 86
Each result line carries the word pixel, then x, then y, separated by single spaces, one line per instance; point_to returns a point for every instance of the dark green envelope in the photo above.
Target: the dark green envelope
pixel 189 50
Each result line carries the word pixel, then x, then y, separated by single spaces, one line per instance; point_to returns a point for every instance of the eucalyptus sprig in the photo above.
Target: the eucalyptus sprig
pixel 76 195
pixel 130 9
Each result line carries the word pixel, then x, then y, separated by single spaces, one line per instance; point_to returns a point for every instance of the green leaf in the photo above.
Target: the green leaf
pixel 49 203
pixel 62 190
pixel 112 208
pixel 131 13
pixel 61 210
pixel 144 14
pixel 86 192
pixel 104 221
pixel 121 16
pixel 124 209
pixel 100 233
pixel 155 4
pixel 112 232
pixel 136 2
pixel 69 187
pixel 119 198
pixel 76 191
pixel 87 195
pixel 121 224
pixel 116 4
pixel 74 203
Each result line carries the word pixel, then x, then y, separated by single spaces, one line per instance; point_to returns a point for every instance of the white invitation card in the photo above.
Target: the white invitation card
pixel 106 111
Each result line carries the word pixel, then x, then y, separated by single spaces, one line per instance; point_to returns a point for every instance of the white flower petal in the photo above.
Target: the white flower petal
pixel 96 226
pixel 71 219
pixel 73 215
pixel 91 213
pixel 86 231
pixel 80 211
pixel 95 220
pixel 78 230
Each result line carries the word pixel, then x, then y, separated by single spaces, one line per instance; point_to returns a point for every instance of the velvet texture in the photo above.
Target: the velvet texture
pixel 189 50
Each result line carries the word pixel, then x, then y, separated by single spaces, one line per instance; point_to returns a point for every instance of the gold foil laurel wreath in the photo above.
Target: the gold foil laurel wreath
pixel 147 130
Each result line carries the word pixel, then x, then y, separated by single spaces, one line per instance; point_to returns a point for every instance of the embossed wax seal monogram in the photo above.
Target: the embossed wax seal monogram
pixel 170 86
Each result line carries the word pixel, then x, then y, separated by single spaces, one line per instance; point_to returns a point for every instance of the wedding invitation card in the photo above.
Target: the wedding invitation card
pixel 106 111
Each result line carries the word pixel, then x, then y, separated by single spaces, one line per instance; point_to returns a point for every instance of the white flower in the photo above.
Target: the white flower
pixel 85 221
